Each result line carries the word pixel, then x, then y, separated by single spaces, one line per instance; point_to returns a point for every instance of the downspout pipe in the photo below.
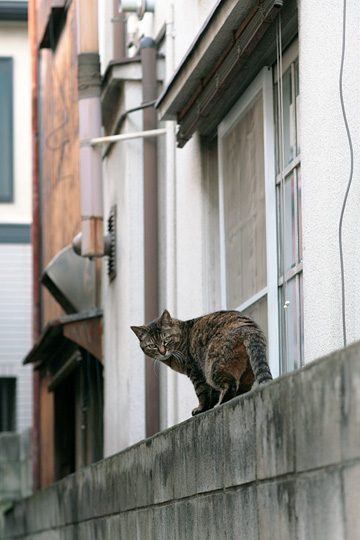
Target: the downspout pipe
pixel 148 55
pixel 89 87
pixel 119 30
pixel 35 240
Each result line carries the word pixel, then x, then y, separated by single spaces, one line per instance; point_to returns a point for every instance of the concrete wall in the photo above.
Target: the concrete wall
pixel 281 462
pixel 15 469
pixel 325 160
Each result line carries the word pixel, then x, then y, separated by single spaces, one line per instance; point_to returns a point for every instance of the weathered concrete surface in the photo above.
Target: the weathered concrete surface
pixel 282 462
pixel 15 469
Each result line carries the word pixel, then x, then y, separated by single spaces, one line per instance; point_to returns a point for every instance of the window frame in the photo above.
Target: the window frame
pixel 293 168
pixel 263 83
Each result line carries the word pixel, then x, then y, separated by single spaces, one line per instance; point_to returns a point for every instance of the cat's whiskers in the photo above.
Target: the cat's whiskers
pixel 178 355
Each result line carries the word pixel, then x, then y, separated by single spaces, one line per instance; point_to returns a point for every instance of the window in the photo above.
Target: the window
pixel 288 194
pixel 248 210
pixel 8 404
pixel 6 130
pixel 260 211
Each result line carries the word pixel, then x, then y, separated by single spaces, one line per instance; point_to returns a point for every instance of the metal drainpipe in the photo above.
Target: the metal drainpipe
pixel 148 54
pixel 35 240
pixel 89 82
pixel 169 378
pixel 119 47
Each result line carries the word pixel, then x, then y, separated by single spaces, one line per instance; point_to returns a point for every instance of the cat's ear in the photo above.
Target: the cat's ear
pixel 139 331
pixel 166 317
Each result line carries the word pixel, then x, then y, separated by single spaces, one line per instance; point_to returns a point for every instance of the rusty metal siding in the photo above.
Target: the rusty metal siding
pixel 59 154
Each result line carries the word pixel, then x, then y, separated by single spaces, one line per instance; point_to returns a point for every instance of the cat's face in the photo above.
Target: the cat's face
pixel 160 338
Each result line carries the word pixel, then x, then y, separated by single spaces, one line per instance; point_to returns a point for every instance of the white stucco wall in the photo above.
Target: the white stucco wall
pixel 14 43
pixel 123 299
pixel 325 172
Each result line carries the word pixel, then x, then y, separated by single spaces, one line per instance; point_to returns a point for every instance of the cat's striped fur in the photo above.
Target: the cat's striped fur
pixel 223 353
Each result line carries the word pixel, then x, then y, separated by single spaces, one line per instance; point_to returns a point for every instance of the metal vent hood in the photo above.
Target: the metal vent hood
pixel 71 281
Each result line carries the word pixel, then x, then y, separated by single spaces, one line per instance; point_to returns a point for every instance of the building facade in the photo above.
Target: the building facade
pixel 237 201
pixel 251 180
pixel 15 218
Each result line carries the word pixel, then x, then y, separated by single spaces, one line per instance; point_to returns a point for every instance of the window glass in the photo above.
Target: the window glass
pixel 258 312
pixel 290 243
pixel 244 206
pixel 6 130
pixel 290 314
pixel 297 97
pixel 289 219
pixel 7 404
pixel 299 211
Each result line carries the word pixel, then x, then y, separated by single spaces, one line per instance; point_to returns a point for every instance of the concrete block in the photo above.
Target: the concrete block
pixel 186 520
pixel 164 522
pixel 45 535
pixel 119 483
pixel 15 520
pixel 9 447
pixel 95 529
pixel 69 532
pixel 25 445
pixel 145 524
pixel 67 497
pixel 117 526
pixel 10 480
pixel 239 441
pixel 184 462
pixel 240 507
pixel 162 450
pixel 210 450
pixel 210 511
pixel 132 525
pixel 319 506
pixel 139 478
pixel 276 510
pixel 351 403
pixel 26 478
pixel 274 429
pixel 42 510
pixel 351 483
pixel 317 414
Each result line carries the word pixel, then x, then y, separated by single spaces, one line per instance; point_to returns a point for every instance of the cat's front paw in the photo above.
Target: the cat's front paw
pixel 197 410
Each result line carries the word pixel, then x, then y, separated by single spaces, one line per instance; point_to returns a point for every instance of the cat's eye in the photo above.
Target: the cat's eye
pixel 166 341
pixel 151 346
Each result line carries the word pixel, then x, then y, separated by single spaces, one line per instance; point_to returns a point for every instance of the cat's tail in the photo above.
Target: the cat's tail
pixel 255 345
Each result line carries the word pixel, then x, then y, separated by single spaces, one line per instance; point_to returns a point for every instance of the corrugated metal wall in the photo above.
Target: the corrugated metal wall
pixel 15 324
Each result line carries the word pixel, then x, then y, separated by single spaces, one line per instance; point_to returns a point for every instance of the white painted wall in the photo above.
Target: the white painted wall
pixel 123 299
pixel 14 43
pixel 15 324
pixel 325 172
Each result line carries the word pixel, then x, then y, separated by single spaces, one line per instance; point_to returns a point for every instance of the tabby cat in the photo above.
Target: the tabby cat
pixel 223 353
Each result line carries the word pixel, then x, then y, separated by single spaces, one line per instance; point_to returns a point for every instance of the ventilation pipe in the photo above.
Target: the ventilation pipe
pixel 119 46
pixel 89 81
pixel 140 7
pixel 148 54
